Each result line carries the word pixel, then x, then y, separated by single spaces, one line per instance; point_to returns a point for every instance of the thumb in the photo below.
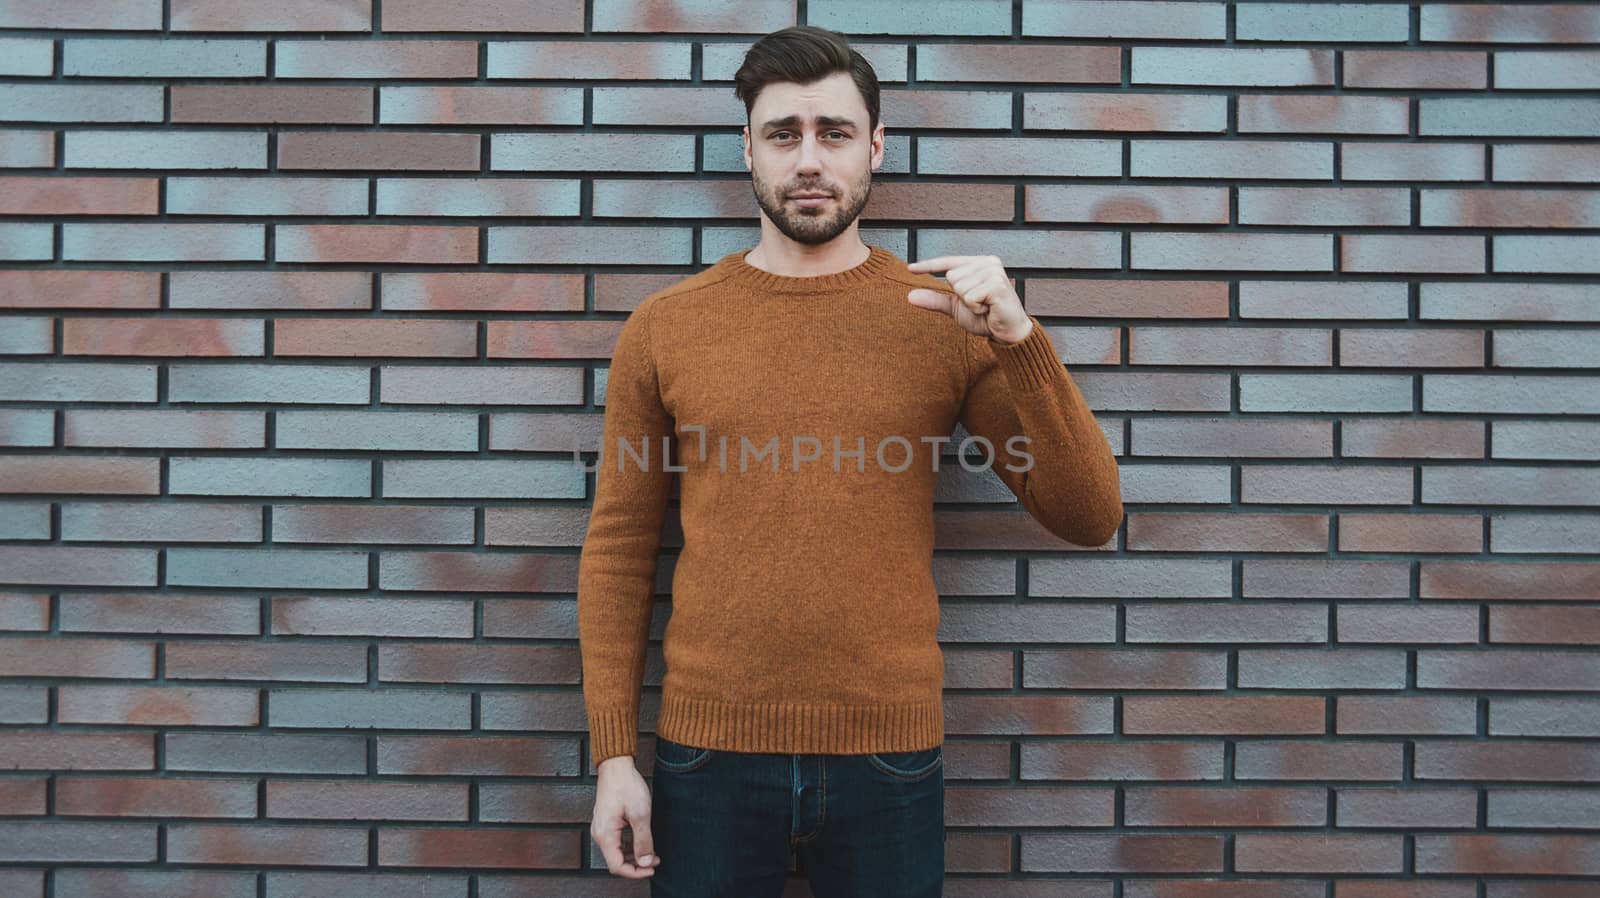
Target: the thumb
pixel 643 843
pixel 936 300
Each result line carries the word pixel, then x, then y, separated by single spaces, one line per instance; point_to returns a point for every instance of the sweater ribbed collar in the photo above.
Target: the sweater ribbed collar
pixel 879 261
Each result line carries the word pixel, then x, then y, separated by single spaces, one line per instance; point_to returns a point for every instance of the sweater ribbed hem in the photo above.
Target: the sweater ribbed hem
pixel 1030 363
pixel 801 728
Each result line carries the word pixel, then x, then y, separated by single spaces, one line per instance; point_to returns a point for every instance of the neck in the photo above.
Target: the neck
pixel 794 259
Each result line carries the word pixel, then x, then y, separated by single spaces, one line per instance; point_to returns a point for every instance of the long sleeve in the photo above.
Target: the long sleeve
pixel 1073 487
pixel 617 565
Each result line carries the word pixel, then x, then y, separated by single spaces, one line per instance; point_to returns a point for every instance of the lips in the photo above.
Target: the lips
pixel 811 200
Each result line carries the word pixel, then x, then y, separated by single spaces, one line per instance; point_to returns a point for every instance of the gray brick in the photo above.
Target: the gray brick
pixel 1503 301
pixel 1571 440
pixel 62 843
pixel 1544 532
pixel 653 153
pixel 973 17
pixel 267 568
pixel 676 106
pixel 590 245
pixel 1186 20
pixel 26 336
pixel 1547 70
pixel 1231 159
pixel 1508 116
pixel 390 708
pixel 152 58
pixel 266 753
pixel 280 195
pixel 30 241
pixel 974 576
pixel 1246 66
pixel 1547 253
pixel 1502 484
pixel 165 149
pixel 1511 394
pixel 477 197
pixel 77 382
pixel 1545 348
pixel 1095 157
pixel 1325 392
pixel 1412 161
pixel 720 61
pixel 27 427
pixel 496 385
pixel 1225 251
pixel 483 478
pixel 548 59
pixel 1039 623
pixel 1145 578
pixel 28 56
pixel 24 520
pixel 27 148
pixel 269 383
pixel 1368 22
pixel 255 476
pixel 1553 162
pixel 378 430
pixel 1025 249
pixel 1191 484
pixel 163 241
pixel 81 103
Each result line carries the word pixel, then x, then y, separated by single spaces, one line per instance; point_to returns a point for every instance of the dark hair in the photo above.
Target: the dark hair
pixel 803 54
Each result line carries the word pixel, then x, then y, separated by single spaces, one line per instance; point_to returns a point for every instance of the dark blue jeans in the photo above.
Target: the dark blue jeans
pixel 735 824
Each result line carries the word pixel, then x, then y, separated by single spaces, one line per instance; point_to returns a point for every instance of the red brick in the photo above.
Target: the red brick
pixel 288 15
pixel 73 195
pixel 479 15
pixel 79 474
pixel 79 288
pixel 374 337
pixel 167 796
pixel 289 104
pixel 329 150
pixel 163 336
pixel 394 244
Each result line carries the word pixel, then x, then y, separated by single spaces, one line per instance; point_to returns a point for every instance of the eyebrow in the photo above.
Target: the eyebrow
pixel 790 121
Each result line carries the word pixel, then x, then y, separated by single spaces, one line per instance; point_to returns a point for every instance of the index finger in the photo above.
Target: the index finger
pixel 939 263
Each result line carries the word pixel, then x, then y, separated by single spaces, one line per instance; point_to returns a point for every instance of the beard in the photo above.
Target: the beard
pixel 812 226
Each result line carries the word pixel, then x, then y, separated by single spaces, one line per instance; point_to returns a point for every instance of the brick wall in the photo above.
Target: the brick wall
pixel 304 305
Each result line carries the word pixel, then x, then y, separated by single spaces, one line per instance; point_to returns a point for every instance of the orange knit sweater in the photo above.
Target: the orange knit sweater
pixel 803 417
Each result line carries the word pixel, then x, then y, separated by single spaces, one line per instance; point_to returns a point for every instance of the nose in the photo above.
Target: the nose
pixel 809 160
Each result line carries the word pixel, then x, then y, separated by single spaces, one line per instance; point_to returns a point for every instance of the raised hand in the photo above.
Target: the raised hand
pixel 980 297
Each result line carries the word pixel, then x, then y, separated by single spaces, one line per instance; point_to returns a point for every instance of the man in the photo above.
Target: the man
pixel 800 392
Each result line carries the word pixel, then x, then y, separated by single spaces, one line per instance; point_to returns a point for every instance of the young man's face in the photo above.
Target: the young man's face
pixel 812 138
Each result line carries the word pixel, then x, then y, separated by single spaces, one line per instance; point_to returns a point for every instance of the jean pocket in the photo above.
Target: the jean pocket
pixel 675 757
pixel 908 765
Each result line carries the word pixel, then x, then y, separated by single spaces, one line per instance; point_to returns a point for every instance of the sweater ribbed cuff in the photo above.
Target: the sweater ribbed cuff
pixel 612 733
pixel 1031 362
